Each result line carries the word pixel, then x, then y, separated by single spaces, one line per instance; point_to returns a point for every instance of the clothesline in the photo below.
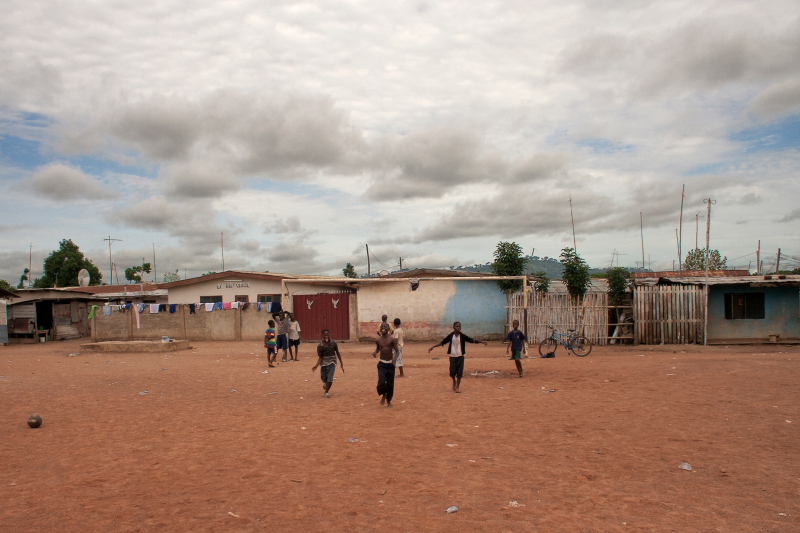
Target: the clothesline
pixel 273 307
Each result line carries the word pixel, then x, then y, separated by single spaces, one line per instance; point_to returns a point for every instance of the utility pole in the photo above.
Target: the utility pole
pixel 678 242
pixel 758 258
pixel 641 229
pixel 680 237
pixel 574 246
pixel 778 261
pixel 708 201
pixel 401 264
pixel 110 264
pixel 696 229
pixel 222 243
pixel 369 268
pixel 155 272
pixel 30 265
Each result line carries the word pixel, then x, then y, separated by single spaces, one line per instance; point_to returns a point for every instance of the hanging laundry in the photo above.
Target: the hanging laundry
pixel 269 307
pixel 209 307
pixel 226 305
pixel 244 305
pixel 162 307
pixel 153 308
pixel 234 305
pixel 137 310
pixel 106 310
pixel 172 308
pixel 191 309
pixel 258 306
pixel 218 306
pixel 276 307
pixel 91 313
pixel 140 308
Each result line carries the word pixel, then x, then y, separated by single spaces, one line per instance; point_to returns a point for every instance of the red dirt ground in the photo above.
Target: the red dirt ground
pixel 601 453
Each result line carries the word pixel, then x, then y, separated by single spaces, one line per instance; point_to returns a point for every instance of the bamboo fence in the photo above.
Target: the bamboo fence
pixel 668 314
pixel 588 317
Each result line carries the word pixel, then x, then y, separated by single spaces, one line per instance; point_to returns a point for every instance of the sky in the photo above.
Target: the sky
pixel 299 132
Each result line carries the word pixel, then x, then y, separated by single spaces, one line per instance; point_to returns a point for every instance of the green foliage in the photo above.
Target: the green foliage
pixel 5 285
pixel 576 273
pixel 349 271
pixel 541 283
pixel 169 277
pixel 211 272
pixel 599 275
pixel 509 261
pixel 617 283
pixel 696 260
pixel 134 273
pixel 23 278
pixel 61 267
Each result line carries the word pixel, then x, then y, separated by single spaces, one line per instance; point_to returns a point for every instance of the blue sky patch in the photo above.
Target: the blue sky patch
pixel 771 137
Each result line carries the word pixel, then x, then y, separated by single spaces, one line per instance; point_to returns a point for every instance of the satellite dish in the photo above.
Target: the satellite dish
pixel 83 278
pixel 383 273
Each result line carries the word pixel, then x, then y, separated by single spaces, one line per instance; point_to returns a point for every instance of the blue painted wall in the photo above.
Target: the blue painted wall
pixel 781 314
pixel 478 305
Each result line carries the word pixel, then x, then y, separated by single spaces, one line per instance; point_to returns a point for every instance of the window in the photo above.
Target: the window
pixel 748 305
pixel 210 299
pixel 241 298
pixel 264 298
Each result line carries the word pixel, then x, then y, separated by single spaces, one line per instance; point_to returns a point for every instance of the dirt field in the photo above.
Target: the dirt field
pixel 599 451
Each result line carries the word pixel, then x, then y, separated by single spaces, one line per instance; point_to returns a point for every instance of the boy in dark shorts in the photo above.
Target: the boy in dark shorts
pixel 327 352
pixel 456 351
pixel 516 343
pixel 269 343
pixel 386 345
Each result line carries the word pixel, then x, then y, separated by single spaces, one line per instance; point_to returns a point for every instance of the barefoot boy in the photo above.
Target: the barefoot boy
pixel 398 336
pixel 269 343
pixel 516 343
pixel 456 350
pixel 327 352
pixel 386 345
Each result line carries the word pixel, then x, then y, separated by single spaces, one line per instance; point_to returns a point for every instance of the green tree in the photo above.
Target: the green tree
pixel 508 261
pixel 213 272
pixel 5 285
pixel 134 273
pixel 349 271
pixel 617 284
pixel 541 283
pixel 169 277
pixel 61 267
pixel 23 278
pixel 696 260
pixel 575 274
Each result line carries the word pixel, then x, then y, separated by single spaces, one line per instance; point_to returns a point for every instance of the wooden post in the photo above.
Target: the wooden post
pixel 94 328
pixel 183 321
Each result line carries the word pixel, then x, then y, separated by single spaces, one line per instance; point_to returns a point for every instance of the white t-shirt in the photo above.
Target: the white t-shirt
pixel 294 330
pixel 398 335
pixel 455 346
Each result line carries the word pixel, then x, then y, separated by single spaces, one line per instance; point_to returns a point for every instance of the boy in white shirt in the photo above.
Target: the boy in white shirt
pixel 398 336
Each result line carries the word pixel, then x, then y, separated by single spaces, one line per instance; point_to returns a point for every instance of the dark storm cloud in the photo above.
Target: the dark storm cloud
pixel 198 179
pixel 794 215
pixel 64 183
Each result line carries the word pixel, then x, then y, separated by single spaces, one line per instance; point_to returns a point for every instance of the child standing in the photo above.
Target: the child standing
pixel 456 350
pixel 269 343
pixel 327 352
pixel 294 338
pixel 398 336
pixel 516 343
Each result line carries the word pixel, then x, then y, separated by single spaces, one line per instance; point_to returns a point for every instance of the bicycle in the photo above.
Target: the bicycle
pixel 578 344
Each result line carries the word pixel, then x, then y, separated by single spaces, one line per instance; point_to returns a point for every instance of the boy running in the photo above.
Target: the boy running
pixel 386 345
pixel 269 343
pixel 398 336
pixel 327 352
pixel 456 350
pixel 516 344
pixel 283 329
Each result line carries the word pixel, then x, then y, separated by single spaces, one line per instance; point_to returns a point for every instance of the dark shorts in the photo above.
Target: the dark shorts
pixel 271 350
pixel 457 366
pixel 326 373
pixel 281 342
pixel 516 354
pixel 294 342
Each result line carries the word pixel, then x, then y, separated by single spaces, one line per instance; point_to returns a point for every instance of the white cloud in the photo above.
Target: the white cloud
pixel 61 182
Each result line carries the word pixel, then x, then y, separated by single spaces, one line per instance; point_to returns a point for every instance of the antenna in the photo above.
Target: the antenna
pixel 574 246
pixel 708 201
pixel 155 273
pixel 641 229
pixel 680 236
pixel 83 278
pixel 369 267
pixel 30 265
pixel 222 242
pixel 110 264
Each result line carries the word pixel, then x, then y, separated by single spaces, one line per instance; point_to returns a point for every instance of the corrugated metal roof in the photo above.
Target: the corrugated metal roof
pixel 690 274
pixel 753 281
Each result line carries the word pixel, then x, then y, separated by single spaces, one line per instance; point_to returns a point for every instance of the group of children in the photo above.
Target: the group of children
pixel 389 345
pixel 286 338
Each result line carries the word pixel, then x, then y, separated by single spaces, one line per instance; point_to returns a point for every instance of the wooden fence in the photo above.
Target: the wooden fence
pixel 668 314
pixel 589 317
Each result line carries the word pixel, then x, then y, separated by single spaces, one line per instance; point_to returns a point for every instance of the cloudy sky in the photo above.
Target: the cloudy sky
pixel 428 130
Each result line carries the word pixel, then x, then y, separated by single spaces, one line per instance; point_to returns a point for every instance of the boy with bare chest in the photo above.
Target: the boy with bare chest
pixel 386 346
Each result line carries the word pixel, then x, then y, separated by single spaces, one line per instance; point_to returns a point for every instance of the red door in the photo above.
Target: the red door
pixel 316 312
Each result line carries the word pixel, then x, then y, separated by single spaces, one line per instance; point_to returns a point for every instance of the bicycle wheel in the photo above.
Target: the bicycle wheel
pixel 581 346
pixel 547 346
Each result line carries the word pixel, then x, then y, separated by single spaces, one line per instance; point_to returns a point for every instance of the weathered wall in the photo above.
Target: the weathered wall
pixel 429 312
pixel 224 325
pixel 228 290
pixel 781 315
